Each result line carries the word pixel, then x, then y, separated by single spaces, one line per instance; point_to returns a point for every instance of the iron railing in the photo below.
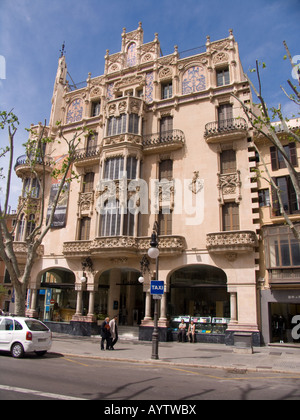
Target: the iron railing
pixel 225 126
pixel 163 138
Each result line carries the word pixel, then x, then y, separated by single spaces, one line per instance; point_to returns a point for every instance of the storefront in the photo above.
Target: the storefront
pixel 199 293
pixel 279 309
pixel 56 298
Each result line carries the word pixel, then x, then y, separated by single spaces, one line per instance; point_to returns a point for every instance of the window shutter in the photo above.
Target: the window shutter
pixel 293 154
pixel 274 161
pixel 275 201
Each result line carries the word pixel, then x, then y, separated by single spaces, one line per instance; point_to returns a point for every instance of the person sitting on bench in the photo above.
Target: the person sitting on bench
pixel 182 332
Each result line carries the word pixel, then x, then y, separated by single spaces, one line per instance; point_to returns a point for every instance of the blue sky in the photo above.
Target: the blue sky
pixel 32 33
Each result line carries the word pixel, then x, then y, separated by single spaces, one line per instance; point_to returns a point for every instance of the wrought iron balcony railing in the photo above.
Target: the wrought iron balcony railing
pixel 88 152
pixel 24 160
pixel 170 137
pixel 225 126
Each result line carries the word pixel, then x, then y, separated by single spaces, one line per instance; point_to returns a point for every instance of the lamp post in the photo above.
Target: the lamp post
pixel 153 252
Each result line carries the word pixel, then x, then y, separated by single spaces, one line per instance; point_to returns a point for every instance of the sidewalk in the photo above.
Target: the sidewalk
pixel 275 359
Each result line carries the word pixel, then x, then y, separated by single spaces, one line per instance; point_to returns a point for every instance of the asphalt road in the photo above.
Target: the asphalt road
pixel 54 377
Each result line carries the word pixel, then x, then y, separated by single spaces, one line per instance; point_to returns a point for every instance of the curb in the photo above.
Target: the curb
pixel 230 369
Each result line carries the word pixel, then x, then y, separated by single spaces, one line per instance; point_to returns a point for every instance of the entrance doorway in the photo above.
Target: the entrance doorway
pixel 120 293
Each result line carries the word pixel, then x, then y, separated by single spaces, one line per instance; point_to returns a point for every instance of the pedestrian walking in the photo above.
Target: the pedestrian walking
pixel 105 334
pixel 113 331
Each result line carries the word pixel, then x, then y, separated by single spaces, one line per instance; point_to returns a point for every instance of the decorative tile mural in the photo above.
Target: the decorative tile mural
pixel 131 55
pixel 75 111
pixel 149 87
pixel 193 80
pixel 110 93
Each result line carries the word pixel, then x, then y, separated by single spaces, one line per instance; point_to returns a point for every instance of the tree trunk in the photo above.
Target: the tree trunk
pixel 20 300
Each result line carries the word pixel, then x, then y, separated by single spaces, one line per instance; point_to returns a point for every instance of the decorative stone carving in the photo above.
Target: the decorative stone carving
pixel 231 242
pixel 197 184
pixel 85 203
pixel 229 186
pixel 168 245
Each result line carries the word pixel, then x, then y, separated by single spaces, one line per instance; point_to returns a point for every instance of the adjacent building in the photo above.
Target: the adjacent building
pixel 279 277
pixel 168 149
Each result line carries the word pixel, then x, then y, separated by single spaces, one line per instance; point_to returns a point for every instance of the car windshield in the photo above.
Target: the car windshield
pixel 35 325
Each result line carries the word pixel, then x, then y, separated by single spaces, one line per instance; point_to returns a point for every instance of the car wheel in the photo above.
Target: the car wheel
pixel 17 350
pixel 40 353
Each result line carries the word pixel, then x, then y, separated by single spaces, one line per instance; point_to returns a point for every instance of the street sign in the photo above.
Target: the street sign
pixel 157 297
pixel 157 287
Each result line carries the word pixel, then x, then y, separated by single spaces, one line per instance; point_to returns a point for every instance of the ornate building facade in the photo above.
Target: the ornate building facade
pixel 169 147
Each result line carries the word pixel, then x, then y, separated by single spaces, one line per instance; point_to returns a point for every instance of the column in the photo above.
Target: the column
pixel 233 307
pixel 147 319
pixel 163 311
pixel 91 303
pixel 79 303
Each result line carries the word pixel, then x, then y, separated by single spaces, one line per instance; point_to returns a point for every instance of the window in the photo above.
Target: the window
pixel 277 160
pixel 91 143
pixel 166 125
pixel 165 221
pixel 95 108
pixel 111 219
pixel 117 125
pixel 7 325
pixel 228 162
pixel 281 248
pixel 264 197
pixel 166 90
pixel 88 182
pixel 287 194
pixel 114 168
pixel 31 188
pixel 30 224
pixel 84 231
pixel 21 229
pixel 131 167
pixel 230 216
pixel 223 77
pixel 133 123
pixel 18 326
pixel 225 116
pixel 166 169
pixel 128 226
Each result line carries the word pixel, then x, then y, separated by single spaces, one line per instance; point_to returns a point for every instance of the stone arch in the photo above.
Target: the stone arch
pixel 198 290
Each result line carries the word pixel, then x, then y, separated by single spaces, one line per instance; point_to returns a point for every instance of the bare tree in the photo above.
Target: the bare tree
pixel 261 118
pixel 38 163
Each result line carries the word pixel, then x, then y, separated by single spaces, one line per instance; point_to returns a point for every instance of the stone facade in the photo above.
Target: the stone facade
pixel 172 125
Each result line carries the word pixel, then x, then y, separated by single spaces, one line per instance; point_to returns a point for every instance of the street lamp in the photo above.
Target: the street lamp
pixel 153 252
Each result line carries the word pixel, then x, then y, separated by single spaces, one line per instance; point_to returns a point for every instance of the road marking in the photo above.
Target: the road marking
pixel 40 393
pixel 77 363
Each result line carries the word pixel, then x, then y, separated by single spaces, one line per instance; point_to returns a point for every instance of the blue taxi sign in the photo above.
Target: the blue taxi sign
pixel 157 287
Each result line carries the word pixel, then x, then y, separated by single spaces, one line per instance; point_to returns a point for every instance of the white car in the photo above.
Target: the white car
pixel 20 335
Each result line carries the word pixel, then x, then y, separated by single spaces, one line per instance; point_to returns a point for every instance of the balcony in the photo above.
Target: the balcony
pixel 229 129
pixel 236 242
pixel 21 251
pixel 23 165
pixel 164 141
pixel 87 155
pixel 122 246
